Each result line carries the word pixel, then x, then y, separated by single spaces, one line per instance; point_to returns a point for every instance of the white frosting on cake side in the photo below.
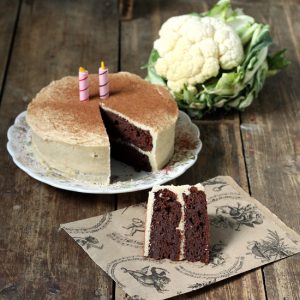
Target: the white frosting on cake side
pixel 80 162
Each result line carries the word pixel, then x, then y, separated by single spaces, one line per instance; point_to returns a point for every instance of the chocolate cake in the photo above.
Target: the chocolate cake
pixel 136 125
pixel 177 223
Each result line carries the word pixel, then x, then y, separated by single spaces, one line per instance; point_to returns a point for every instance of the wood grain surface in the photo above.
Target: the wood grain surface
pixel 44 40
pixel 9 13
pixel 271 137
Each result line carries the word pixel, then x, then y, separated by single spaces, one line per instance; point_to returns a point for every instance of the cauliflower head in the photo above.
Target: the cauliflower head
pixel 192 49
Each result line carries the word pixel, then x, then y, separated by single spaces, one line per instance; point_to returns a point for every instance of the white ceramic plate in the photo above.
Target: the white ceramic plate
pixel 124 178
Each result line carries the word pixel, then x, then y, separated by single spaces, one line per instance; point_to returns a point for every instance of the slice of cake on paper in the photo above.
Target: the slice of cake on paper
pixel 177 223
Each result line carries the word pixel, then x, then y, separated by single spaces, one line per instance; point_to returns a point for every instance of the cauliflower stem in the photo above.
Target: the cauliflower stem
pixel 229 89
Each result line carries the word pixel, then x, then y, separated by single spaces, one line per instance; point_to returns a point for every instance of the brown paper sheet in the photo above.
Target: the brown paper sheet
pixel 244 236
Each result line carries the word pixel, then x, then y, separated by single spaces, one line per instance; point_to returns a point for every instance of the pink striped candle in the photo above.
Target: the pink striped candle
pixel 83 84
pixel 103 82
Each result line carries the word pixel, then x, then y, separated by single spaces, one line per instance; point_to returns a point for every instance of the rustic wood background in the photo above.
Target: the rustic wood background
pixel 44 40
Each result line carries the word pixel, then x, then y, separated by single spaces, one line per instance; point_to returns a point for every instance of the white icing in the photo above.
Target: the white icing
pixel 148 222
pixel 74 161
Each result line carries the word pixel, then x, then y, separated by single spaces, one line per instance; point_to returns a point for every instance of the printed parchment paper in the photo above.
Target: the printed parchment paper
pixel 244 235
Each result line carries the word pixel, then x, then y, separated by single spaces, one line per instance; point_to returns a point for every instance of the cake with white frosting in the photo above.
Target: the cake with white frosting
pixel 136 124
pixel 177 223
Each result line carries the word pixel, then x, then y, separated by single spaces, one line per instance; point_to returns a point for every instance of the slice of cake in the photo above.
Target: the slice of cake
pixel 136 125
pixel 177 223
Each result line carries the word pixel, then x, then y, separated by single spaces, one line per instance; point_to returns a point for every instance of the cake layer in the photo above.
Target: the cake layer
pixel 165 237
pixel 119 128
pixel 130 155
pixel 152 161
pixel 192 226
pixel 163 141
pixel 196 226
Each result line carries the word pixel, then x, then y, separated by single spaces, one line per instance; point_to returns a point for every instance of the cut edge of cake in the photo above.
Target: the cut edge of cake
pixel 163 140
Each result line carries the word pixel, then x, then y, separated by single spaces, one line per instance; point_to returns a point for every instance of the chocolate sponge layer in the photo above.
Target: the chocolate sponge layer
pixel 165 238
pixel 119 128
pixel 196 226
pixel 129 155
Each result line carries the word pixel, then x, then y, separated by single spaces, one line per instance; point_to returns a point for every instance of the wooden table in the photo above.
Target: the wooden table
pixel 44 40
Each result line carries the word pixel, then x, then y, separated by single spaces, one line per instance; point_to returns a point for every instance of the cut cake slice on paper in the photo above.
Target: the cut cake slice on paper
pixel 177 223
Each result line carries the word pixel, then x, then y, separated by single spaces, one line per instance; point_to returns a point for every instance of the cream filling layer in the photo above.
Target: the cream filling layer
pixel 179 191
pixel 75 161
pixel 156 162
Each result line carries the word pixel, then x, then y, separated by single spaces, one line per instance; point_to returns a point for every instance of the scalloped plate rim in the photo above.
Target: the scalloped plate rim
pixel 177 172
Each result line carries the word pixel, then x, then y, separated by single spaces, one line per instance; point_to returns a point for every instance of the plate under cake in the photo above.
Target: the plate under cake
pixel 177 223
pixel 136 123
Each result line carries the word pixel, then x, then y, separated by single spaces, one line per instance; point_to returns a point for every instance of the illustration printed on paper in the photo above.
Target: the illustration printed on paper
pixel 125 240
pixel 88 242
pixel 232 267
pixel 220 184
pixel 128 239
pixel 150 276
pixel 136 225
pixel 103 221
pixel 271 248
pixel 216 255
pixel 137 297
pixel 200 285
pixel 234 217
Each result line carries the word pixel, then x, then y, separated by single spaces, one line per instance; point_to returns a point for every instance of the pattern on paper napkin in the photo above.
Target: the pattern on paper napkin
pixel 244 235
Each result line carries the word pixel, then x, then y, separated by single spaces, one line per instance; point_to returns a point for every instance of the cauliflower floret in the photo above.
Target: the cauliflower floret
pixel 192 49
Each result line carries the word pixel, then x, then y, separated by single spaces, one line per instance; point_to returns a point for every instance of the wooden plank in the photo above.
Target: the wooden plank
pixel 37 260
pixel 292 13
pixel 270 131
pixel 8 19
pixel 126 9
pixel 222 148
